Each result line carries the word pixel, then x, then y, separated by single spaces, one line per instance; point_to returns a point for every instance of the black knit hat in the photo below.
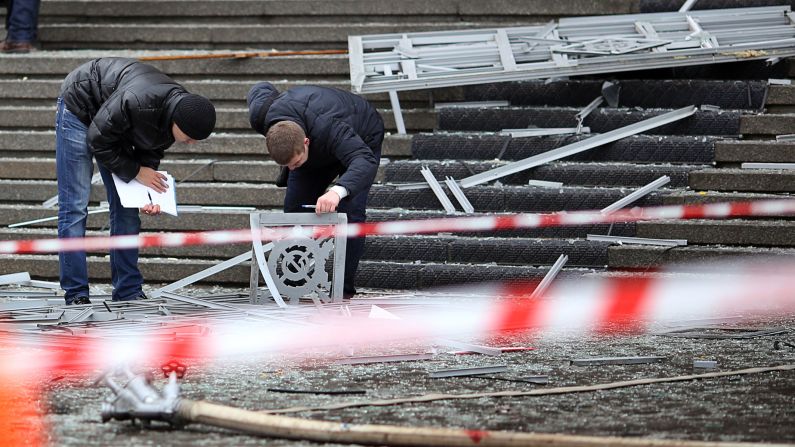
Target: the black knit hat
pixel 195 115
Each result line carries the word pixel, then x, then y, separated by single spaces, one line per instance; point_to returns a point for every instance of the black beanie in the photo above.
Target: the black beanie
pixel 195 115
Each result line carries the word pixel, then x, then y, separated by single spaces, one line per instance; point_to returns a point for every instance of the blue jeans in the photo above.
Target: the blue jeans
pixel 74 168
pixel 22 20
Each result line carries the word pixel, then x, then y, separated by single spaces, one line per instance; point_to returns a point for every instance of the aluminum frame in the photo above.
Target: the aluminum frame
pixel 476 56
pixel 260 220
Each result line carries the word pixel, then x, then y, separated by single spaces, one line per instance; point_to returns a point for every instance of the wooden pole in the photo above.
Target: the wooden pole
pixel 241 55
pixel 323 431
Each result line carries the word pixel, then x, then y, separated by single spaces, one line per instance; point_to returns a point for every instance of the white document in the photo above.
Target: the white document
pixel 136 195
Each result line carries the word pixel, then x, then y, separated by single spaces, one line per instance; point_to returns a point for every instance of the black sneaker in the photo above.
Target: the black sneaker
pixel 133 298
pixel 80 300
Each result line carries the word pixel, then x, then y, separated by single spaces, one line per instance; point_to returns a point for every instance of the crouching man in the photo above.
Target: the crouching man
pixel 329 141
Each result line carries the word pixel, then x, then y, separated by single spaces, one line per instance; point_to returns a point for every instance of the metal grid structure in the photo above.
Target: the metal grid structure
pixel 573 46
pixel 296 267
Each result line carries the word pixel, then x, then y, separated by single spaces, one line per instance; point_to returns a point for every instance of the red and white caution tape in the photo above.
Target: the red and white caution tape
pixel 763 208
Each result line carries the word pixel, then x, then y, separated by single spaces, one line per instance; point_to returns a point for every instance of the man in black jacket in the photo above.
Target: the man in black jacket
pixel 322 134
pixel 125 114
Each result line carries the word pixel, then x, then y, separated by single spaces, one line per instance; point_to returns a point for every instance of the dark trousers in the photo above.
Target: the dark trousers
pixel 304 188
pixel 22 20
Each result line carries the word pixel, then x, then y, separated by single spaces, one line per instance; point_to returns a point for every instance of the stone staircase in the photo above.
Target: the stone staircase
pixel 701 154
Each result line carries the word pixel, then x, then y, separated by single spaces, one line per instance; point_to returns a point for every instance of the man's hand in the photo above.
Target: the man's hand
pixel 151 209
pixel 153 179
pixel 327 203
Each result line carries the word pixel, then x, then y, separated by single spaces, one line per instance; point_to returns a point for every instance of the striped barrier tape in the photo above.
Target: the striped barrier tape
pixel 762 208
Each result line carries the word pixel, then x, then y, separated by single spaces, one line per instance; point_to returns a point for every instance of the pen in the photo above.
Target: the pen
pixel 150 198
pixel 308 206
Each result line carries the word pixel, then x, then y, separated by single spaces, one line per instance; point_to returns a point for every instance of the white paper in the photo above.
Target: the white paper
pixel 136 195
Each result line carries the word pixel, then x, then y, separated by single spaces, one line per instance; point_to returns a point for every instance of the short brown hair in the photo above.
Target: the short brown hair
pixel 284 141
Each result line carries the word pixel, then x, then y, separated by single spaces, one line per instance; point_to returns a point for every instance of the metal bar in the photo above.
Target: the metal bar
pixel 640 192
pixel 459 372
pixel 637 240
pixel 195 301
pixel 485 350
pixel 47 219
pixel 82 316
pixel 580 146
pixel 550 276
pixel 616 361
pixel 587 111
pixel 768 166
pixel 544 184
pixel 14 278
pixel 459 195
pixel 395 102
pixel 437 189
pixel 202 274
pixel 688 4
pixel 706 364
pixel 471 104
pixel 504 48
pixel 383 359
pixel 540 132
pixel 259 259
pixel 42 284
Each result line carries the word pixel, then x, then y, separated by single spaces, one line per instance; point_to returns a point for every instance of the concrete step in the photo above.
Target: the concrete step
pixel 439 249
pixel 219 194
pixel 483 198
pixel 220 219
pixel 511 198
pixel 394 275
pixel 206 220
pixel 473 250
pixel 207 170
pixel 704 197
pixel 646 93
pixel 602 120
pixel 306 11
pixel 756 180
pixel 244 145
pixel 223 35
pixel 227 119
pixel 223 93
pixel 780 96
pixel 693 257
pixel 568 173
pixel 760 151
pixel 50 64
pixel 157 270
pixel 757 232
pixel 375 274
pixel 767 125
pixel 635 149
pixel 216 252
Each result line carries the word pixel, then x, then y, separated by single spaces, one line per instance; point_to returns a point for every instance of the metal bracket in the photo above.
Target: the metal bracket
pixel 437 189
pixel 637 240
pixel 459 195
pixel 637 194
pixel 550 276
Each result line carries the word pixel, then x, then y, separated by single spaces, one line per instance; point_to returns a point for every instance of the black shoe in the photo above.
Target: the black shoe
pixel 80 300
pixel 133 298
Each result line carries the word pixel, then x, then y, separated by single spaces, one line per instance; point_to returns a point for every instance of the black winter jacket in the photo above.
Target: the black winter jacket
pixel 343 129
pixel 128 108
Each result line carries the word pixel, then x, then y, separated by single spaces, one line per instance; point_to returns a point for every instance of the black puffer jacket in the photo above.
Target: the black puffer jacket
pixel 128 108
pixel 343 128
